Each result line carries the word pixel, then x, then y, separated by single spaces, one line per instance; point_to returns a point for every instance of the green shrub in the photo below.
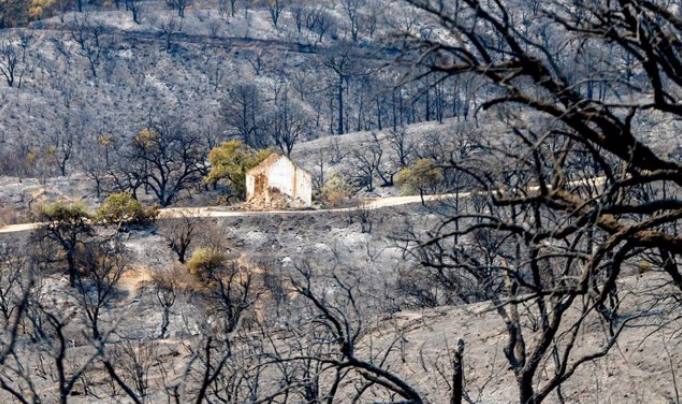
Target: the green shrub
pixel 422 176
pixel 335 191
pixel 122 208
pixel 230 161
pixel 206 262
pixel 63 212
pixel 68 226
pixel 644 267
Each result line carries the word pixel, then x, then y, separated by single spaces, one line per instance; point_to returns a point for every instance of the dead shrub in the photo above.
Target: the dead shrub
pixel 174 278
pixel 11 216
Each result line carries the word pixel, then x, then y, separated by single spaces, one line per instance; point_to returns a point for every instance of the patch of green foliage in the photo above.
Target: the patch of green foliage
pixel 63 212
pixel 206 262
pixel 335 191
pixel 230 161
pixel 122 208
pixel 422 176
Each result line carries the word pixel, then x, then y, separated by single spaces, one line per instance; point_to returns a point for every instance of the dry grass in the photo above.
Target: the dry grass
pixel 175 277
pixel 12 216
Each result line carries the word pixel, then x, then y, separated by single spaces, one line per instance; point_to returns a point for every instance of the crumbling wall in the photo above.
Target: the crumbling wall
pixel 281 175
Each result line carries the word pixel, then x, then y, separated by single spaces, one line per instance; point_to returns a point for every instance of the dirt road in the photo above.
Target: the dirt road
pixel 217 211
pixel 387 202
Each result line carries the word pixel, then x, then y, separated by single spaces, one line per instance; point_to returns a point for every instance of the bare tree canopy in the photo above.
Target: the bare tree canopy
pixel 575 190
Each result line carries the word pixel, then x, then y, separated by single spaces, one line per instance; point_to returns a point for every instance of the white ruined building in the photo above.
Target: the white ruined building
pixel 278 181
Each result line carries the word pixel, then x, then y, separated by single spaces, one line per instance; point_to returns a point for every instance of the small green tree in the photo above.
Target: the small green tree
pixel 206 262
pixel 230 161
pixel 422 176
pixel 68 225
pixel 123 209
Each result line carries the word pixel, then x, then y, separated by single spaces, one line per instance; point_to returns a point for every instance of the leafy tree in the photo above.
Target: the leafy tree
pixel 67 225
pixel 421 176
pixel 121 208
pixel 230 161
pixel 16 13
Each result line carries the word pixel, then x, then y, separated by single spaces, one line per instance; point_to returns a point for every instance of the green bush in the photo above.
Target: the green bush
pixel 122 208
pixel 63 212
pixel 230 161
pixel 68 225
pixel 206 262
pixel 422 176
pixel 335 191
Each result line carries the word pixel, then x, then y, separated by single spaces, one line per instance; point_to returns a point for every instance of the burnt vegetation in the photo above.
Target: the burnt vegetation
pixel 559 210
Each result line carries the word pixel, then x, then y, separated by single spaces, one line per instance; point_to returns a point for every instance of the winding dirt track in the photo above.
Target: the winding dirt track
pixel 202 212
